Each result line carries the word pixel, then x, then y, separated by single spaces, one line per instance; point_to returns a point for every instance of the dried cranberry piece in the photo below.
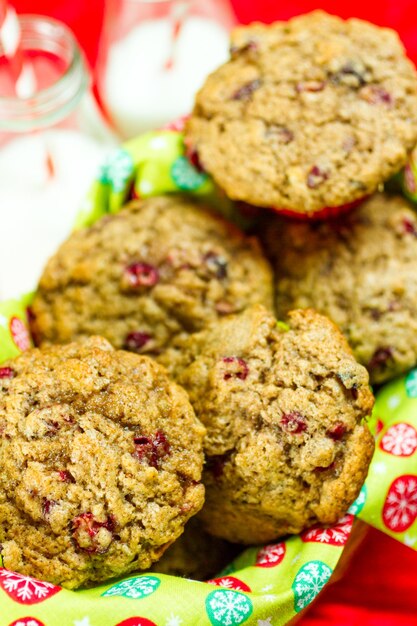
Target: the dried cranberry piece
pixel 142 275
pixel 66 476
pixel 374 94
pixel 136 340
pixel 337 431
pixel 312 86
pixel 217 264
pixel 238 368
pixel 316 176
pixel 47 506
pixel 84 526
pixel 380 357
pixel 245 92
pixel 7 372
pixel 409 226
pixel 294 423
pixel 151 449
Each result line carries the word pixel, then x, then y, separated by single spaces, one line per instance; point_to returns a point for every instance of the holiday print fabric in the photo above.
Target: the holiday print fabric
pixel 265 585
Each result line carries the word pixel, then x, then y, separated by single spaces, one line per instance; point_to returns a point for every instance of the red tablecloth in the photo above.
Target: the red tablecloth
pixel 380 587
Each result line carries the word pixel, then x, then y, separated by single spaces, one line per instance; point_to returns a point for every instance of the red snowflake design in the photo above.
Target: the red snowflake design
pixel 229 582
pixel 270 556
pixel 27 621
pixel 26 590
pixel 136 621
pixel 20 334
pixel 336 535
pixel 400 506
pixel 399 440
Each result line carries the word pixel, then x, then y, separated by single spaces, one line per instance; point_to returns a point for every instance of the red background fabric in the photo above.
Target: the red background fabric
pixel 380 586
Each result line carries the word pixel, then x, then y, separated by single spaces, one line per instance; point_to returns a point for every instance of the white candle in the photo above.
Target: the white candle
pixel 39 199
pixel 140 92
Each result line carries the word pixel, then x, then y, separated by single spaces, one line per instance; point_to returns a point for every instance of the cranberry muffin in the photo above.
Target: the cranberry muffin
pixel 149 276
pixel 307 114
pixel 101 459
pixel 284 407
pixel 360 270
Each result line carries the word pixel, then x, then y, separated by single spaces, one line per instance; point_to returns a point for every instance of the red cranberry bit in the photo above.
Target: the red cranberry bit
pixel 151 449
pixel 409 226
pixel 66 477
pixel 136 341
pixel 237 368
pixel 84 526
pixel 337 431
pixel 373 94
pixel 316 177
pixel 294 423
pixel 245 92
pixel 216 264
pixel 311 86
pixel 193 156
pixel 380 357
pixel 6 372
pixel 142 275
pixel 47 506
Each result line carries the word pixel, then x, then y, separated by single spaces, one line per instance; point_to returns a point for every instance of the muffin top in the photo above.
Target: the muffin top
pixel 101 458
pixel 311 113
pixel 283 405
pixel 158 270
pixel 360 270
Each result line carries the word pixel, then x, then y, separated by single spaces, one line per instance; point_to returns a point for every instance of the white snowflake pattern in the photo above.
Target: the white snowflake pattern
pixel 30 622
pixel 173 620
pixel 264 622
pixel 228 607
pixel 337 534
pixel 85 621
pixel 269 597
pixel 296 559
pixel 379 468
pixel 25 588
pixel 410 541
pixel 267 588
pixel 309 581
pixel 134 588
pixel 400 508
pixel 400 440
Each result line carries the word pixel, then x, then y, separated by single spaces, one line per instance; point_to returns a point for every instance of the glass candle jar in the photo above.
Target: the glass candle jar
pixel 155 56
pixel 51 144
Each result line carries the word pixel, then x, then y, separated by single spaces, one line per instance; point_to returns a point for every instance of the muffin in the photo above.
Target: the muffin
pixel 196 554
pixel 284 407
pixel 307 114
pixel 101 458
pixel 360 270
pixel 149 276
